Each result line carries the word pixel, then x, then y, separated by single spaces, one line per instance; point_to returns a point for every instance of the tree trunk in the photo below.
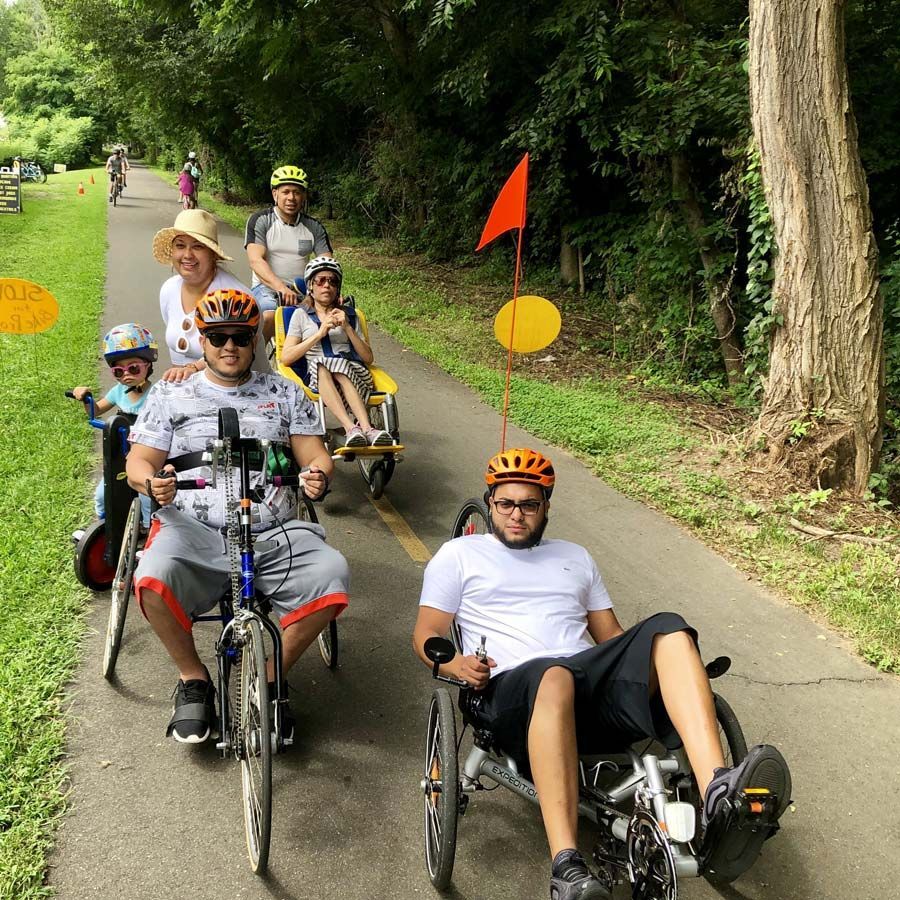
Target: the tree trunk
pixel 718 287
pixel 826 365
pixel 568 258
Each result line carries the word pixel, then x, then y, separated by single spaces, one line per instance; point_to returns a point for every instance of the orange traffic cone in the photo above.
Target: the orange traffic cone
pixel 92 180
pixel 80 188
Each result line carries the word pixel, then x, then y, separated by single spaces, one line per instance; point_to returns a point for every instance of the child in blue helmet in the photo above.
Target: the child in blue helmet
pixel 130 351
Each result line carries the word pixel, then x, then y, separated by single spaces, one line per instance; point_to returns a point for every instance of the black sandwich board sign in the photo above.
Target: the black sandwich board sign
pixel 10 192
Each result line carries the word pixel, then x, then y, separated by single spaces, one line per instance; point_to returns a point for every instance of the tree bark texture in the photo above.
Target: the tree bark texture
pixel 718 285
pixel 827 358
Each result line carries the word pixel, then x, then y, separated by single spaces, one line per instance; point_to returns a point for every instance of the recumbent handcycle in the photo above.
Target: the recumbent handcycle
pixel 644 801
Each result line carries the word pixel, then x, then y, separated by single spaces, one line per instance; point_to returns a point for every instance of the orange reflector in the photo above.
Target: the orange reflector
pixel 756 807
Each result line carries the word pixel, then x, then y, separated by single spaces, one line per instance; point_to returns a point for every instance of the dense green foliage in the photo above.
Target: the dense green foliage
pixel 408 114
pixel 62 246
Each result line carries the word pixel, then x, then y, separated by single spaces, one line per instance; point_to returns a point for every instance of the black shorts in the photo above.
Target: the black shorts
pixel 613 704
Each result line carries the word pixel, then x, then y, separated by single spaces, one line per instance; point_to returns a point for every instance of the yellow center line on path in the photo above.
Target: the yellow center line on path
pixel 417 551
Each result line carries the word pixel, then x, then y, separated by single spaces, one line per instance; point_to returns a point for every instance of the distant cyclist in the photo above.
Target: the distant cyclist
pixel 115 166
pixel 192 165
pixel 280 241
pixel 125 167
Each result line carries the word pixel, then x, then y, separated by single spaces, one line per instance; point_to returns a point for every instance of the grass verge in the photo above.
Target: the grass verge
pixel 46 456
pixel 651 451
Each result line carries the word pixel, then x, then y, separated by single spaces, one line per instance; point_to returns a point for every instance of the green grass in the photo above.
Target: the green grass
pixel 46 457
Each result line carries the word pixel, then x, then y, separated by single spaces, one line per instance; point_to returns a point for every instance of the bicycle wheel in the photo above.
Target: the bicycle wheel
pixel 121 588
pixel 328 645
pixel 40 175
pixel 115 194
pixel 473 518
pixel 255 732
pixel 441 789
pixel 91 567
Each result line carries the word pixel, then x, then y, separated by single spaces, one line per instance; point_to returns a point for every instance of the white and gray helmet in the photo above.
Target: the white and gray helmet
pixel 323 264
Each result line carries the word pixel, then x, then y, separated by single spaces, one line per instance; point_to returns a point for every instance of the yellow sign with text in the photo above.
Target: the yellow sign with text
pixel 537 324
pixel 25 307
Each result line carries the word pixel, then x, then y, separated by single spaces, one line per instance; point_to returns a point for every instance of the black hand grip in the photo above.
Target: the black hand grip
pixel 85 399
pixel 229 424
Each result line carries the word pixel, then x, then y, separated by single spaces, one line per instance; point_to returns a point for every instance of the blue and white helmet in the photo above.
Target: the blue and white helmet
pixel 130 339
pixel 323 264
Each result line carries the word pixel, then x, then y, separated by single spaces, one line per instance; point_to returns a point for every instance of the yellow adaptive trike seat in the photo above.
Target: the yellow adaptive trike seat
pixel 375 463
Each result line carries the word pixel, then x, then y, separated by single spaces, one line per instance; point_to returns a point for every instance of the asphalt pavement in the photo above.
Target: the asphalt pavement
pixel 149 818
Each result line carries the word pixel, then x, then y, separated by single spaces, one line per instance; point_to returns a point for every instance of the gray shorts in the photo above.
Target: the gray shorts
pixel 184 561
pixel 266 298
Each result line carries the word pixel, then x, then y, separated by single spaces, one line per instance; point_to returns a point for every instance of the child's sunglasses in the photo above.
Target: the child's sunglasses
pixel 238 338
pixel 135 368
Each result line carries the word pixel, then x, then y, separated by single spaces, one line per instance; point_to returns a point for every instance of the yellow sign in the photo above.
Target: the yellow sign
pixel 25 307
pixel 537 324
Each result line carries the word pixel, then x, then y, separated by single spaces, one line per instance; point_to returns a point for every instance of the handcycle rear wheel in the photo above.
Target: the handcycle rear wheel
pixel 255 746
pixel 473 518
pixel 91 567
pixel 121 588
pixel 440 786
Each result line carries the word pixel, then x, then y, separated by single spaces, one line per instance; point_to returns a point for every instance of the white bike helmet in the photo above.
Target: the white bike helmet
pixel 323 264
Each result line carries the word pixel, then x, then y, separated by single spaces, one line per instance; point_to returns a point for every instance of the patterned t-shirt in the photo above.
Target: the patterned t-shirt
pixel 184 418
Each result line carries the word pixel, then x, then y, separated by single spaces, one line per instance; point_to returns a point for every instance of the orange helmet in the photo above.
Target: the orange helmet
pixel 523 465
pixel 227 307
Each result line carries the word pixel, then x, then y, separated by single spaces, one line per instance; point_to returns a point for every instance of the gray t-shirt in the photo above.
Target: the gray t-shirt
pixel 288 246
pixel 184 418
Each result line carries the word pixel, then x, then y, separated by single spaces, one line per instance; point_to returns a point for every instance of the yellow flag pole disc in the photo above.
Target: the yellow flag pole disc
pixel 25 307
pixel 537 324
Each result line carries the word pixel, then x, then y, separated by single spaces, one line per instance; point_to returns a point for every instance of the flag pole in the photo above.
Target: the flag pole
pixel 512 332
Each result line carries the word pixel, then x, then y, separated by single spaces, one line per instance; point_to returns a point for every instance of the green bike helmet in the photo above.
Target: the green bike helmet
pixel 288 175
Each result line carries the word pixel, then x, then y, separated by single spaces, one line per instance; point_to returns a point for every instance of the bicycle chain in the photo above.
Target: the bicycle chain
pixel 232 539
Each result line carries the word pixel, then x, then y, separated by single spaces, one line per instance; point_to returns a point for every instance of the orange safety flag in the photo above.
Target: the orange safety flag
pixel 509 208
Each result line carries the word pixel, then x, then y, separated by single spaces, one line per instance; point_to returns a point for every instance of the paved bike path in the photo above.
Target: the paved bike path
pixel 152 819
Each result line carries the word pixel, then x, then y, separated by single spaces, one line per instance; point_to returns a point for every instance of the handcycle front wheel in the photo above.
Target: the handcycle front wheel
pixel 440 787
pixel 122 588
pixel 473 518
pixel 254 733
pixel 328 645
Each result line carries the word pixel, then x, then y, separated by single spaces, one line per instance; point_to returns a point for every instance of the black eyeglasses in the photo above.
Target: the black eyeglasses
pixel 239 338
pixel 526 507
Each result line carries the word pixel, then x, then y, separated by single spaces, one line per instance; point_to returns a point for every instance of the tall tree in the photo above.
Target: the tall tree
pixel 826 371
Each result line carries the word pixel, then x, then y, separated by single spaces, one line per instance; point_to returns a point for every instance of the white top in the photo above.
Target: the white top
pixel 184 343
pixel 183 418
pixel 528 603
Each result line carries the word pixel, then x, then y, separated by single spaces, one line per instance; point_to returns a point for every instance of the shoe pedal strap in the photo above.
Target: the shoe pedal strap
pixel 190 712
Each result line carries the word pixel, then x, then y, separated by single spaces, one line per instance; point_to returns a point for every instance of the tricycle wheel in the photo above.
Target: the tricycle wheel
pixel 91 567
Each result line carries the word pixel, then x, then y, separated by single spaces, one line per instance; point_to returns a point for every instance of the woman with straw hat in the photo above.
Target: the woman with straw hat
pixel 191 247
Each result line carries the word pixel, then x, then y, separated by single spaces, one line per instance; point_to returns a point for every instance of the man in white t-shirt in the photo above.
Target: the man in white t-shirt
pixel 185 567
pixel 563 677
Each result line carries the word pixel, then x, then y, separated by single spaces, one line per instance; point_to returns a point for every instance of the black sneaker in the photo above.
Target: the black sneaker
pixel 194 716
pixel 741 809
pixel 288 722
pixel 572 879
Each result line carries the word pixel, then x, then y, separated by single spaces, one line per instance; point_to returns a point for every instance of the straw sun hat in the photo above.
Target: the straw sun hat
pixel 197 223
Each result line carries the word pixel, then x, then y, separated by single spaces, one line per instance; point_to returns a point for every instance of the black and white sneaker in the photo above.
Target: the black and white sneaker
pixel 572 879
pixel 741 810
pixel 194 716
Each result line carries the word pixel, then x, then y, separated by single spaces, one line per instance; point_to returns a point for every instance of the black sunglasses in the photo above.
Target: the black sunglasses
pixel 238 338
